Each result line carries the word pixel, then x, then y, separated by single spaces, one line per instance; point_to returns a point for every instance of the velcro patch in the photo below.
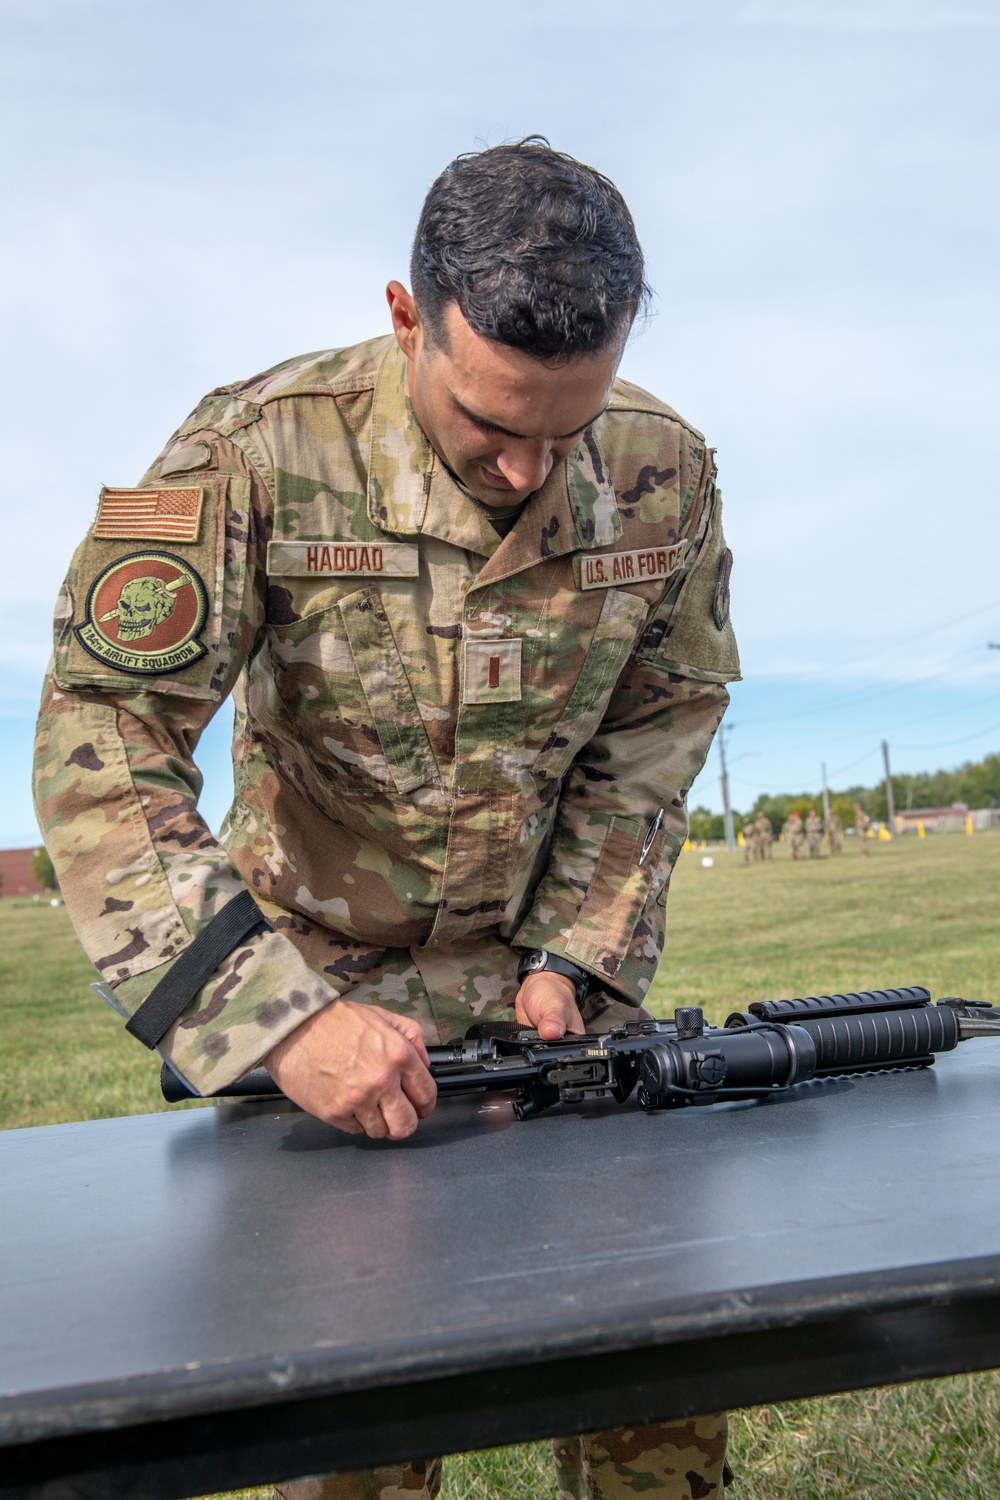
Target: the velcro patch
pixel 186 457
pixel 172 514
pixel 343 559
pixel 720 599
pixel 144 614
pixel 492 671
pixel 612 569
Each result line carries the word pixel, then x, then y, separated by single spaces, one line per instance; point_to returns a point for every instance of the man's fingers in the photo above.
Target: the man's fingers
pixel 359 1068
pixel 548 1003
pixel 556 1017
pixel 418 1086
pixel 372 1121
pixel 398 1115
pixel 553 1013
pixel 409 1028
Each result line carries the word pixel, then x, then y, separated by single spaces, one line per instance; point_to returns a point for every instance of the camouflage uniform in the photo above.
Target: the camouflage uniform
pixel 447 743
pixel 751 848
pixel 834 832
pixel 862 826
pixel 685 1460
pixel 765 836
pixel 814 833
pixel 793 835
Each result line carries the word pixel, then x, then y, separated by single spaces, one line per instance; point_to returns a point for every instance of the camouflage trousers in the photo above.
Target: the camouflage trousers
pixel 679 1460
pixel 447 989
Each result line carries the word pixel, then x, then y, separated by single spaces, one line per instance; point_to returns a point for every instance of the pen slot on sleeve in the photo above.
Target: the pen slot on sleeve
pixel 655 825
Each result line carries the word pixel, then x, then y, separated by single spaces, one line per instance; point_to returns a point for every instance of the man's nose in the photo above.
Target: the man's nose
pixel 526 466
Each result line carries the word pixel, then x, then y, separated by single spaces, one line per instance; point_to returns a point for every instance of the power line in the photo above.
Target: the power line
pixel 751 786
pixel 866 694
pixel 842 770
pixel 944 744
pixel 908 639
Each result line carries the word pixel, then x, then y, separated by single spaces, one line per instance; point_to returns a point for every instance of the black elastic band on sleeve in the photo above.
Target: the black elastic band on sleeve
pixel 238 920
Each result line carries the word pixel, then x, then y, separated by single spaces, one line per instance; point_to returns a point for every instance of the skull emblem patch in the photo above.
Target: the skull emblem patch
pixel 144 614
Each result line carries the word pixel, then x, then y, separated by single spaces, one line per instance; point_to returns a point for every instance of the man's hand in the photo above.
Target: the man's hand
pixel 359 1068
pixel 548 1003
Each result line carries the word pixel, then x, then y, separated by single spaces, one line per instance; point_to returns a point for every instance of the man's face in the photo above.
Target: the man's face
pixel 498 418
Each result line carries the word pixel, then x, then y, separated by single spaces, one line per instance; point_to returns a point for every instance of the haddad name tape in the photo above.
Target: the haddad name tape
pixel 343 559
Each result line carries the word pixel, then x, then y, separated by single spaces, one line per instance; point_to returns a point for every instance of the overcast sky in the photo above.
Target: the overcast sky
pixel 196 191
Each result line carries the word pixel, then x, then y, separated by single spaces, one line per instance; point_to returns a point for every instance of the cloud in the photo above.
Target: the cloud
pixel 191 201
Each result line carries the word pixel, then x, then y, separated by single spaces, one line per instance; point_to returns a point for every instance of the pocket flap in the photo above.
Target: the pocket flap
pixel 387 689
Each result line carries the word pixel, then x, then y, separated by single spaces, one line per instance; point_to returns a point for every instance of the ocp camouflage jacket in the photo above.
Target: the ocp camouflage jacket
pixel 439 733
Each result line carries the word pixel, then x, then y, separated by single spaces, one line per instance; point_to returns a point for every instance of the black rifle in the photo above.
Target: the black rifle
pixel 760 1052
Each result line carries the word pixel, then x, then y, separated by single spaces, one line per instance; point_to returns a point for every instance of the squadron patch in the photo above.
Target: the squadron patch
pixel 720 600
pixel 144 614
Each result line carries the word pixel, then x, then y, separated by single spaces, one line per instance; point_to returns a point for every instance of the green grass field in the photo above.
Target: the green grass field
pixel 914 912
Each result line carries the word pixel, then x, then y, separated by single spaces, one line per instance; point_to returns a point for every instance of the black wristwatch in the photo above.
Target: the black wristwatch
pixel 538 961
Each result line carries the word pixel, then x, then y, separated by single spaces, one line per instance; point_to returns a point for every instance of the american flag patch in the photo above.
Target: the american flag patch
pixel 167 515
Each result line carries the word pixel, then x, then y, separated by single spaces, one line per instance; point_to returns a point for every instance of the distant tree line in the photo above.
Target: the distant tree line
pixel 977 784
pixel 43 870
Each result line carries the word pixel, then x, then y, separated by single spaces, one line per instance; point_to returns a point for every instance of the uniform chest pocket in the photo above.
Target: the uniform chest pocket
pixel 391 703
pixel 344 688
pixel 621 620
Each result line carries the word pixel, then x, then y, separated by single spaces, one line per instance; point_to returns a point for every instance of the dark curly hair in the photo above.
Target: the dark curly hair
pixel 538 251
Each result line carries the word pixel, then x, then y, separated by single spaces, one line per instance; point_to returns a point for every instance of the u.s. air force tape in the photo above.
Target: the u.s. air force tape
pixel 343 560
pixel 605 570
pixel 239 919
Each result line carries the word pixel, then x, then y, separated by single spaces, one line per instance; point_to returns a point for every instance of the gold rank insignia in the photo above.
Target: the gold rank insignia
pixel 144 613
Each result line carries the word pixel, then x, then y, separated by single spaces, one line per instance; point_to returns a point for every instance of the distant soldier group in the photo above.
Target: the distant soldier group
pixel 812 833
pixel 800 834
pixel 758 838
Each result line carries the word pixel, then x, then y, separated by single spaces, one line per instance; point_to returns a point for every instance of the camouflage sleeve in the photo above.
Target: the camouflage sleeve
pixel 116 786
pixel 601 901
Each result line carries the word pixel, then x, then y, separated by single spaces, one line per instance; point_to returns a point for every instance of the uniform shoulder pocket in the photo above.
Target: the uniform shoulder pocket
pixel 143 604
pixel 690 632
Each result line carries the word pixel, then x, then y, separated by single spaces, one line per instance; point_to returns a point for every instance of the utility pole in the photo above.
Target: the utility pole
pixel 727 812
pixel 826 798
pixel 890 803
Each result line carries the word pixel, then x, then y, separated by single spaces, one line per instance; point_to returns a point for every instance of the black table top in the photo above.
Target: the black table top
pixel 176 1263
pixel 253 1234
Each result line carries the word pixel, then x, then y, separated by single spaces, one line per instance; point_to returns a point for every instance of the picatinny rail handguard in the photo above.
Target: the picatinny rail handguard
pixel 760 1052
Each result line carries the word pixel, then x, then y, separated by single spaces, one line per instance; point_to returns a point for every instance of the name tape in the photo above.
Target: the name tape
pixel 649 563
pixel 343 559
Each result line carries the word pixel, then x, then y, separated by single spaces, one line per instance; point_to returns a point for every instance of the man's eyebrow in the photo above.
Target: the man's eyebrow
pixel 495 426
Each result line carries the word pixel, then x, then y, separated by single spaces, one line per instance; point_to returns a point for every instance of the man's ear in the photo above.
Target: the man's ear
pixel 405 318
